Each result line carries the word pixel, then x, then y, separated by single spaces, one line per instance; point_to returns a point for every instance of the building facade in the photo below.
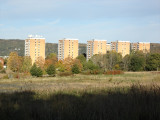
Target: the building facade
pixel 35 47
pixel 113 46
pixel 123 47
pixel 144 46
pixel 95 47
pixel 67 48
pixel 108 47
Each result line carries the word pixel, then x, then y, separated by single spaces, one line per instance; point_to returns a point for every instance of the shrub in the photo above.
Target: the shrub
pixel 95 72
pixel 51 70
pixel 65 74
pixel 75 69
pixel 36 71
pixel 5 77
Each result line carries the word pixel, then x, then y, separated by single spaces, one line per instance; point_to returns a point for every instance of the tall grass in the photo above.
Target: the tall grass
pixel 134 103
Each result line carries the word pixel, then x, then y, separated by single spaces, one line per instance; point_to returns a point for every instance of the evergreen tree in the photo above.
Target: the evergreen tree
pixel 51 70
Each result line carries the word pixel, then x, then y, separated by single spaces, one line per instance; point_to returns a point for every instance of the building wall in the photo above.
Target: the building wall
pixel 108 47
pixel 113 46
pixel 35 47
pixel 67 48
pixel 134 46
pixel 123 47
pixel 145 47
pixel 96 47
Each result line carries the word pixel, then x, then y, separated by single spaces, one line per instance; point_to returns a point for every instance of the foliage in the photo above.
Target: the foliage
pixel 36 71
pixel 1 66
pixel 60 66
pixel 75 69
pixel 137 61
pixel 91 66
pixel 126 62
pixel 78 63
pixel 153 61
pixel 50 59
pixel 68 63
pixel 14 62
pixel 40 62
pixel 27 64
pixel 51 70
pixel 113 72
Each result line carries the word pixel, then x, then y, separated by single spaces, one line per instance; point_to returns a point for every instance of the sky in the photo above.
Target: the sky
pixel 111 20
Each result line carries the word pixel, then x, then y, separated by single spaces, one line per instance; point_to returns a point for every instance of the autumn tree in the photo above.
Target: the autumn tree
pixel 27 64
pixel 14 62
pixel 78 63
pixel 68 63
pixel 50 59
pixel 40 62
pixel 1 66
pixel 60 66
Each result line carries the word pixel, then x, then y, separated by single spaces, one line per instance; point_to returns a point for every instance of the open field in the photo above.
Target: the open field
pixel 80 82
pixel 130 96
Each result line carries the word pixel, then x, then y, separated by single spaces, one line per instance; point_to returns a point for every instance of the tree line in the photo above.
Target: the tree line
pixel 136 61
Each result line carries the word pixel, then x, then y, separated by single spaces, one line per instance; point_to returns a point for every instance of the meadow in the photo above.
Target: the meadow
pixel 132 95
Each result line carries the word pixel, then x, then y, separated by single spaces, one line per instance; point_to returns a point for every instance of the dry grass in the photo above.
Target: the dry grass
pixel 79 82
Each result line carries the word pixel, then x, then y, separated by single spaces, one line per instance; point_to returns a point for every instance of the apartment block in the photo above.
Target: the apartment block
pixel 35 47
pixel 144 46
pixel 95 47
pixel 123 47
pixel 113 46
pixel 108 47
pixel 67 48
pixel 134 46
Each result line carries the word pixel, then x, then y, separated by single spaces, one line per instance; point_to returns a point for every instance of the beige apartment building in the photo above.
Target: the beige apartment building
pixel 108 47
pixel 67 48
pixel 142 46
pixel 35 47
pixel 123 47
pixel 95 47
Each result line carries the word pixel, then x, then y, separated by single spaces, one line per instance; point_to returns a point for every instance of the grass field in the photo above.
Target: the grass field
pixel 129 96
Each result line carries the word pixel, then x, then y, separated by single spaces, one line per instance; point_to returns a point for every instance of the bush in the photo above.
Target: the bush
pixel 5 77
pixel 95 72
pixel 65 74
pixel 36 71
pixel 51 70
pixel 75 69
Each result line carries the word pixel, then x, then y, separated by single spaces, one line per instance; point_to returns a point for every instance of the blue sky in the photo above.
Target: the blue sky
pixel 131 20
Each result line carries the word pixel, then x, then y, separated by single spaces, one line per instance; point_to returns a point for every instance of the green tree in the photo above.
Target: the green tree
pixel 36 71
pixel 27 64
pixel 51 70
pixel 75 69
pixel 137 62
pixel 153 61
pixel 126 62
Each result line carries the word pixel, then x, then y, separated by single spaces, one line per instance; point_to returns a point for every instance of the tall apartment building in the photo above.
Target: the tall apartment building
pixel 108 47
pixel 123 47
pixel 134 46
pixel 142 46
pixel 35 47
pixel 95 47
pixel 113 46
pixel 67 48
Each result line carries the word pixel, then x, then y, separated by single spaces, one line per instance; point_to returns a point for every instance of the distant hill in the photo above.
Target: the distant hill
pixel 7 46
